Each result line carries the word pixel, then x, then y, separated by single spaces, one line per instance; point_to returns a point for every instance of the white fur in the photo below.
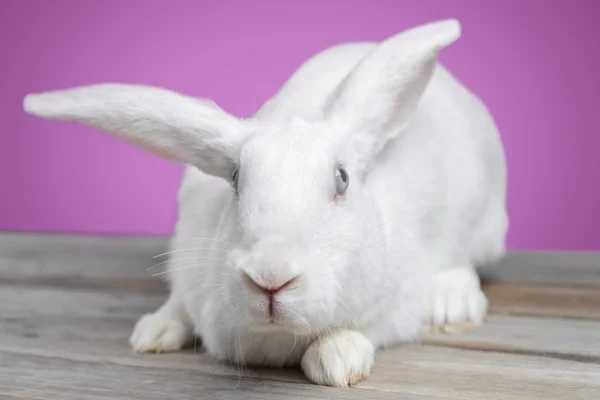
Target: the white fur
pixel 425 206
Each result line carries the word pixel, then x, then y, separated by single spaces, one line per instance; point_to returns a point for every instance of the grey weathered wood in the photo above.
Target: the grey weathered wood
pixel 417 371
pixel 574 338
pixel 556 301
pixel 68 304
pixel 546 267
pixel 464 374
pixel 82 261
pixel 50 378
pixel 92 334
pixel 414 369
pixel 58 302
pixel 51 255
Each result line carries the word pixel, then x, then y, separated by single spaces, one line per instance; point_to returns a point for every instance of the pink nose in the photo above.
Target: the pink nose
pixel 268 290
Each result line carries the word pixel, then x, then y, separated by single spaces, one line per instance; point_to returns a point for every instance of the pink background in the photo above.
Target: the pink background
pixel 535 63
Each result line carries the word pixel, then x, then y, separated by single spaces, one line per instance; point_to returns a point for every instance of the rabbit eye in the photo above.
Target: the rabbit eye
pixel 341 181
pixel 235 178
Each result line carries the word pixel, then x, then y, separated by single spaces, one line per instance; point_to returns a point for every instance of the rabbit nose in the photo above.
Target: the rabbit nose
pixel 268 289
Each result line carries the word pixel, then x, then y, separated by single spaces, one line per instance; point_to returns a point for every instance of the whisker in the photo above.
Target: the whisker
pixel 180 259
pixel 205 238
pixel 341 300
pixel 187 286
pixel 383 238
pixel 244 367
pixel 177 269
pixel 191 266
pixel 357 252
pixel 354 343
pixel 291 350
pixel 187 249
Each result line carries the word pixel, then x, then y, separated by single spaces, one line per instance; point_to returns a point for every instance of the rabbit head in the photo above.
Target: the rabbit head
pixel 303 211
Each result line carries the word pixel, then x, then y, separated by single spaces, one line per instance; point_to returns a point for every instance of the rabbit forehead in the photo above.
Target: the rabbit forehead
pixel 286 179
pixel 296 153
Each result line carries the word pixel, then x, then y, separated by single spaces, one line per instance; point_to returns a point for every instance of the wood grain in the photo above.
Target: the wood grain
pixel 108 263
pixel 566 338
pixel 569 339
pixel 88 262
pixel 557 301
pixel 47 378
pixel 415 370
pixel 68 304
pixel 421 373
pixel 576 268
pixel 38 301
pixel 464 374
pixel 79 328
pixel 129 257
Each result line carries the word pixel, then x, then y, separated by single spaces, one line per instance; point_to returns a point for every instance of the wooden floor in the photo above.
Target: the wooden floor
pixel 68 304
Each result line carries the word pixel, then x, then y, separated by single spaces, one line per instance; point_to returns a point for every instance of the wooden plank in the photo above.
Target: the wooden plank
pixel 18 302
pixel 513 299
pixel 94 261
pixel 569 339
pixel 26 377
pixel 82 262
pixel 27 244
pixel 573 338
pixel 414 371
pixel 546 267
pixel 555 301
pixel 465 374
pixel 45 327
pixel 93 256
pixel 129 285
pixel 75 300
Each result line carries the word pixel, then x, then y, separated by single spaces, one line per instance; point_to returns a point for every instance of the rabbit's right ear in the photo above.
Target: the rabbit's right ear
pixel 173 126
pixel 378 98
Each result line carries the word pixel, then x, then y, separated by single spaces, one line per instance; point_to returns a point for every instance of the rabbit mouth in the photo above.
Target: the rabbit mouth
pixel 272 328
pixel 278 323
pixel 271 325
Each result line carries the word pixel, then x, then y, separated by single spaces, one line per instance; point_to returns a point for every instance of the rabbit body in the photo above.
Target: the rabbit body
pixel 398 252
pixel 440 196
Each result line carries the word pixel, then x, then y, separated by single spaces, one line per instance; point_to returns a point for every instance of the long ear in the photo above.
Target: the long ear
pixel 173 126
pixel 378 97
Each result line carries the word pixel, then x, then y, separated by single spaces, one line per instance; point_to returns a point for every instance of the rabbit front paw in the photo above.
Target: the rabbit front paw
pixel 457 302
pixel 160 332
pixel 340 359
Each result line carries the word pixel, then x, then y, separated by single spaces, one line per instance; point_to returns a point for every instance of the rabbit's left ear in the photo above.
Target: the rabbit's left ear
pixel 173 126
pixel 378 97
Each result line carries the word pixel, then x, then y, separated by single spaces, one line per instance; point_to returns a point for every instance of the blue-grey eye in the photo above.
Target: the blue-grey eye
pixel 235 178
pixel 341 181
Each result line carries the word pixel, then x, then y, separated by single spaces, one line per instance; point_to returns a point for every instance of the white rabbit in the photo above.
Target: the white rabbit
pixel 348 214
